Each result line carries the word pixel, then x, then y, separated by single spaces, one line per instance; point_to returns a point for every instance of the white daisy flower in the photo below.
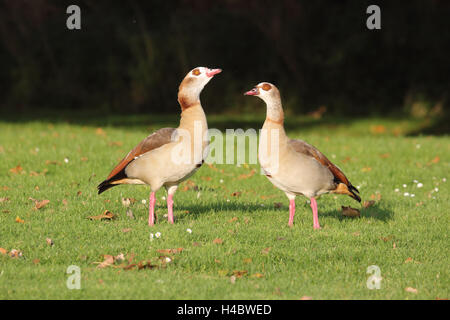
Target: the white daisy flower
pixel 188 230
pixel 406 194
pixel 144 201
pixel 158 234
pixel 419 185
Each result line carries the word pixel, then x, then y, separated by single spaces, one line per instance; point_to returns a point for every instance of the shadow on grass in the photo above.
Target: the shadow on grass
pixel 196 210
pixel 373 212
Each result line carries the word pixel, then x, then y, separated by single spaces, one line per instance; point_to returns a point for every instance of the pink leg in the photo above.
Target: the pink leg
pixel 151 209
pixel 315 213
pixel 291 212
pixel 170 208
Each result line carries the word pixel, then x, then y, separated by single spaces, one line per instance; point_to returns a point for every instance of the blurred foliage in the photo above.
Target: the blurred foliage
pixel 130 56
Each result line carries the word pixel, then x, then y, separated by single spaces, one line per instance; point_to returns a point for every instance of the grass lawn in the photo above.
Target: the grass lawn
pixel 240 246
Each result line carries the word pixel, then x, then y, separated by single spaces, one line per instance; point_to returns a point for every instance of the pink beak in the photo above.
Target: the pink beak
pixel 213 72
pixel 252 92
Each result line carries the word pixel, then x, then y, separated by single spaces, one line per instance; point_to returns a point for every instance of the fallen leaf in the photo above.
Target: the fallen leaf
pixel 47 162
pixel 248 260
pixel 197 244
pixel 119 258
pixel 233 219
pixel 435 160
pixel 108 260
pixel 16 170
pixel 15 253
pixel 257 275
pixel 190 185
pixel 240 273
pixel 36 261
pixel 170 251
pixel 376 196
pixel 266 250
pixel 40 204
pixel 367 204
pixel 236 194
pixel 18 220
pixel 218 241
pixel 3 251
pixel 248 175
pixel 49 241
pixel 126 230
pixel 412 290
pixel 206 178
pixel 106 215
pixel 100 132
pixel 408 260
pixel 130 213
pixel 4 199
pixel 378 129
pixel 350 212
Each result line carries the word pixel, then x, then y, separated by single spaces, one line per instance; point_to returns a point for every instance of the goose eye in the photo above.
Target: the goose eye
pixel 266 87
pixel 196 72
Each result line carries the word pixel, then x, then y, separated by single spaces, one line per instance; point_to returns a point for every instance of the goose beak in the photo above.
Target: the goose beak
pixel 253 92
pixel 213 72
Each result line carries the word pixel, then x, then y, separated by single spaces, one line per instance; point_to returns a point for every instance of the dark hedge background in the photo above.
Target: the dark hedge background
pixel 130 56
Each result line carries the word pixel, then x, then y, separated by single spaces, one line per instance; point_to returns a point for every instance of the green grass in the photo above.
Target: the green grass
pixel 406 237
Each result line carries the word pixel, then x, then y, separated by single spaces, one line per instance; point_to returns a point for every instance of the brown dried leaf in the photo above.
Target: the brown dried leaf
pixel 246 176
pixel 3 251
pixel 266 250
pixel 100 132
pixel 170 251
pixel 236 194
pixel 412 290
pixel 233 219
pixel 367 204
pixel 49 241
pixel 18 220
pixel 15 253
pixel 257 275
pixel 106 215
pixel 4 199
pixel 218 241
pixel 40 204
pixel 350 212
pixel 16 170
pixel 108 260
pixel 240 273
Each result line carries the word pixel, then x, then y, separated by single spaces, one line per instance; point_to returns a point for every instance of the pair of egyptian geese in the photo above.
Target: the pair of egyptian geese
pixel 297 169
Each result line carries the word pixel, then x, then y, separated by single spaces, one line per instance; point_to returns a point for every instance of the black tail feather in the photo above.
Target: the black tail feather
pixel 354 193
pixel 105 185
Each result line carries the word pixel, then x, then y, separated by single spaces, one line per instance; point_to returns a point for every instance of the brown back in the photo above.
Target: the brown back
pixel 153 141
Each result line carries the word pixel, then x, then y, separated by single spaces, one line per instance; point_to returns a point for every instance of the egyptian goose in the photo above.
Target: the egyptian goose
pixel 294 166
pixel 169 156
